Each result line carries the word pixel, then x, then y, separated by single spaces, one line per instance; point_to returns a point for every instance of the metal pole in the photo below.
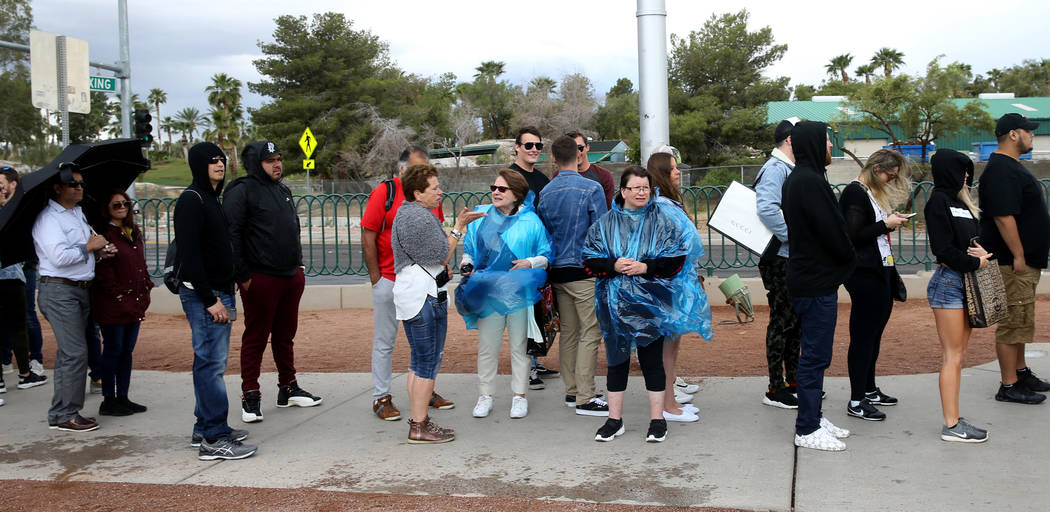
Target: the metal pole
pixel 125 65
pixel 652 76
pixel 63 84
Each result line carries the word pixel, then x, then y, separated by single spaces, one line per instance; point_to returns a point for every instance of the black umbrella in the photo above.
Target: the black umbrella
pixel 105 166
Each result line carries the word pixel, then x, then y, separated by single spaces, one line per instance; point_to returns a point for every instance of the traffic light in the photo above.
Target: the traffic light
pixel 142 127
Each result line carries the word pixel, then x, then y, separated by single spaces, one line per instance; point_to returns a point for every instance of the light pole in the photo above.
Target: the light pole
pixel 652 76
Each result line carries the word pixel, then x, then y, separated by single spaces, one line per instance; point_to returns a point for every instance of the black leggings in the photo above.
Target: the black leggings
pixel 651 359
pixel 869 292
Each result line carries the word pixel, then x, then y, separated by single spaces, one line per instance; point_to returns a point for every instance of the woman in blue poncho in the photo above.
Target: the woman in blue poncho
pixel 643 253
pixel 503 268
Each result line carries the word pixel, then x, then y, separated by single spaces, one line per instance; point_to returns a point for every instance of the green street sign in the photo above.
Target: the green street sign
pixel 104 84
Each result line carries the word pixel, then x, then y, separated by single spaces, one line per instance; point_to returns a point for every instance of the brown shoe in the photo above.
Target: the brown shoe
pixel 430 424
pixel 427 432
pixel 437 402
pixel 384 408
pixel 78 423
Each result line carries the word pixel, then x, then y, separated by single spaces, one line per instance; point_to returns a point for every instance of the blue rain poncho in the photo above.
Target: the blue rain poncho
pixel 638 310
pixel 493 242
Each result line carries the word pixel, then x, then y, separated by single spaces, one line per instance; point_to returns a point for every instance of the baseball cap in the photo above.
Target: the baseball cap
pixel 268 150
pixel 1013 121
pixel 783 130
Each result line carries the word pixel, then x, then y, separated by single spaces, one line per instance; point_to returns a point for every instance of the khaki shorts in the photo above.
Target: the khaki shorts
pixel 1019 326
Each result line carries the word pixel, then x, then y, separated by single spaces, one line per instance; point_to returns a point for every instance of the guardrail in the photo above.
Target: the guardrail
pixel 331 229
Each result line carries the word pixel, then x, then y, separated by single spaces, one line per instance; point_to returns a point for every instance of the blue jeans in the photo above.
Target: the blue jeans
pixel 426 337
pixel 817 317
pixel 118 340
pixel 211 347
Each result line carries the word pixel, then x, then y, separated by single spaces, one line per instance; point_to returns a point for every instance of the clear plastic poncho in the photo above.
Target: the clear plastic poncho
pixel 493 242
pixel 636 310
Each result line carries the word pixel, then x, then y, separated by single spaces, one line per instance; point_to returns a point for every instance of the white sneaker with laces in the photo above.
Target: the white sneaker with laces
pixel 681 396
pixel 483 407
pixel 840 433
pixel 519 407
pixel 685 417
pixel 681 384
pixel 820 439
pixel 36 367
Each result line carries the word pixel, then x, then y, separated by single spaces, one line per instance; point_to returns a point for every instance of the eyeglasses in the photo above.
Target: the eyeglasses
pixel 641 189
pixel 74 184
pixel 580 148
pixel 121 204
pixel 530 145
pixel 503 190
pixel 217 159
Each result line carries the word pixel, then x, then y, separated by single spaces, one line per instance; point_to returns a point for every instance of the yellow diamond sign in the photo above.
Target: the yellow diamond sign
pixel 308 142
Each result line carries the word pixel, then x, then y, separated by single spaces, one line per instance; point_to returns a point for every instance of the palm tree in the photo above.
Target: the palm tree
pixel 839 65
pixel 224 95
pixel 167 125
pixel 156 97
pixel 543 84
pixel 192 120
pixel 865 71
pixel 490 69
pixel 995 75
pixel 888 59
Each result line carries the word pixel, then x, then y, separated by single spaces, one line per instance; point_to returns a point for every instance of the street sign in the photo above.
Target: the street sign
pixel 308 143
pixel 308 164
pixel 44 49
pixel 104 83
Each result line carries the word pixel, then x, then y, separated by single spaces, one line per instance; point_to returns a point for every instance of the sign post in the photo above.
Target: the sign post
pixel 104 84
pixel 308 143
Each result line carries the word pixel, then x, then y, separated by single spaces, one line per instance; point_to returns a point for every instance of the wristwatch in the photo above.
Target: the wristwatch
pixel 456 234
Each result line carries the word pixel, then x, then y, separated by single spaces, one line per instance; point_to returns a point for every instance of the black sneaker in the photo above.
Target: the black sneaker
pixel 544 372
pixel 535 382
pixel 31 381
pixel 877 397
pixel 110 406
pixel 865 411
pixel 250 407
pixel 657 431
pixel 235 434
pixel 1030 381
pixel 610 430
pixel 1018 393
pixel 594 407
pixel 570 401
pixel 3 387
pixel 291 394
pixel 226 449
pixel 780 397
pixel 136 408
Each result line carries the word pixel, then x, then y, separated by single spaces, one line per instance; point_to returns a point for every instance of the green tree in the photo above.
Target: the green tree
pixel 167 125
pixel 865 71
pixel 224 96
pixel 718 94
pixel 840 65
pixel 88 127
pixel 493 98
pixel 1030 78
pixel 888 59
pixel 16 18
pixel 157 97
pixel 617 118
pixel 915 110
pixel 191 120
pixel 804 92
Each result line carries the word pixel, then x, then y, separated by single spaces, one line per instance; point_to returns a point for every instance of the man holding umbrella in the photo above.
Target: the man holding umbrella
pixel 67 249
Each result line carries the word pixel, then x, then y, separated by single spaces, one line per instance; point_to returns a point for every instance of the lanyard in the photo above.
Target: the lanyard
pixel 889 259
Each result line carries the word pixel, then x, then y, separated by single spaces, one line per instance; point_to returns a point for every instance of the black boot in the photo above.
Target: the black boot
pixel 112 406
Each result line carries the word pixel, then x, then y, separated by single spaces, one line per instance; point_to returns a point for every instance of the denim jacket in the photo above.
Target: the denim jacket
pixel 568 205
pixel 770 182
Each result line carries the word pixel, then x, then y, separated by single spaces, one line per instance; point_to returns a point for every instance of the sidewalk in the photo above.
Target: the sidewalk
pixel 739 455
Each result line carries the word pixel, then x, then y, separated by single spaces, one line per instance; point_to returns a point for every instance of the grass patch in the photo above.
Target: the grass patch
pixel 169 172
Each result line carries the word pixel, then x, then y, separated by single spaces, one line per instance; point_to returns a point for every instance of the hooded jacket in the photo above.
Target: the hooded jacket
pixel 821 256
pixel 205 257
pixel 949 223
pixel 264 223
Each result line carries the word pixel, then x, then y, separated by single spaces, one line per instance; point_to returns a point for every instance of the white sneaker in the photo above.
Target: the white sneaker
pixel 483 407
pixel 681 384
pixel 519 407
pixel 36 367
pixel 1 401
pixel 820 439
pixel 8 368
pixel 691 408
pixel 681 396
pixel 840 433
pixel 685 417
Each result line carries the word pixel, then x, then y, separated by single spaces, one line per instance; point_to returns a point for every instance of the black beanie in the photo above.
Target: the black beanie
pixel 200 156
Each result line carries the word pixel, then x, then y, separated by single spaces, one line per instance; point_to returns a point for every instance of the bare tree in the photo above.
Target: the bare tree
pixel 463 122
pixel 577 104
pixel 380 154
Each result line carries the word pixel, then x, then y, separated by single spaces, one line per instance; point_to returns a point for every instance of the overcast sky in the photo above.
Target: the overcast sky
pixel 178 45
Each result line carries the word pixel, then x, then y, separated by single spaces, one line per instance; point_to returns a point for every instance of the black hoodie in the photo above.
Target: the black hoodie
pixel 264 223
pixel 822 257
pixel 205 257
pixel 949 224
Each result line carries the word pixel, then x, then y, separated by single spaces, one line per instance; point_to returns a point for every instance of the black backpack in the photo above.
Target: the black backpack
pixel 172 265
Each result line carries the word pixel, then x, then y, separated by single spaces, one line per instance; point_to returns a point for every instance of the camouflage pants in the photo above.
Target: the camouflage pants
pixel 782 334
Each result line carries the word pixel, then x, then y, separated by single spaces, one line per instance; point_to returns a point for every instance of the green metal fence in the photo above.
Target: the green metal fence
pixel 331 229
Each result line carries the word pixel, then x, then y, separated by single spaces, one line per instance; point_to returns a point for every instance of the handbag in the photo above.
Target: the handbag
pixel 986 302
pixel 544 324
pixel 900 292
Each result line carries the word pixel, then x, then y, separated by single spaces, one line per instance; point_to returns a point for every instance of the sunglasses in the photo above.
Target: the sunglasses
pixel 530 145
pixel 503 190
pixel 74 184
pixel 217 159
pixel 121 204
pixel 580 148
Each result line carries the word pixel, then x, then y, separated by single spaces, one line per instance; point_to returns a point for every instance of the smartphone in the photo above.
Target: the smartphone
pixel 908 215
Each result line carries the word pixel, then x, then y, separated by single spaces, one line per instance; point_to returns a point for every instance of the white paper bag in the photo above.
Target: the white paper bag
pixel 736 217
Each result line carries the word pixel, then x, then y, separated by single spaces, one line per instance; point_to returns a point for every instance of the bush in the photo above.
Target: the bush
pixel 720 177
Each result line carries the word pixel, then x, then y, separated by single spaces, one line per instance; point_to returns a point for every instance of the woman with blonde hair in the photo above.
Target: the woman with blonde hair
pixel 952 227
pixel 868 204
